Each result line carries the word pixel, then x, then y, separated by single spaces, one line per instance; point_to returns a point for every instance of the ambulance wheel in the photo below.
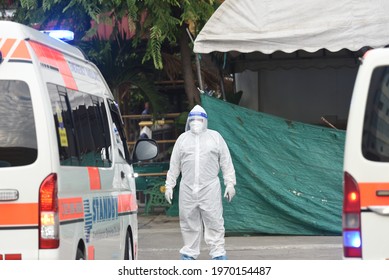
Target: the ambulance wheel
pixel 80 255
pixel 128 255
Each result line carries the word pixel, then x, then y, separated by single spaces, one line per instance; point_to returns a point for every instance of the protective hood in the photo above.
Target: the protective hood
pixel 197 113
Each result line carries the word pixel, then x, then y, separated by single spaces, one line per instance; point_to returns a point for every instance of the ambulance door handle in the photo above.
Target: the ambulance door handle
pixel 381 210
pixel 122 174
pixel 9 194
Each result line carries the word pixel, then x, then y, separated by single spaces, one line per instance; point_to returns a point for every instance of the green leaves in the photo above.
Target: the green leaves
pixel 29 4
pixel 154 25
pixel 154 49
pixel 156 21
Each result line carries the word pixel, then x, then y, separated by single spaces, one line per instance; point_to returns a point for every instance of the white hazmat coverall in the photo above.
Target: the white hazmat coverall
pixel 199 154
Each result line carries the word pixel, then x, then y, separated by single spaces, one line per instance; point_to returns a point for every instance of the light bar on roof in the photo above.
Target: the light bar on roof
pixel 63 35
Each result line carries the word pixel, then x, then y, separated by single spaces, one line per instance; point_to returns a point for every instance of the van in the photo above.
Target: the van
pixel 366 162
pixel 67 186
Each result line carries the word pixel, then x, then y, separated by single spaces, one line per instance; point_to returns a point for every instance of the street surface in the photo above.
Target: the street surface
pixel 160 239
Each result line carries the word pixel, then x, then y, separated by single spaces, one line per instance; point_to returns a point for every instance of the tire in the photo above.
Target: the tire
pixel 128 254
pixel 80 255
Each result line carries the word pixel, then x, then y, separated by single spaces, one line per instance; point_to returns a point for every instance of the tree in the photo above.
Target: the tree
pixel 161 23
pixel 121 65
pixel 167 21
pixel 120 62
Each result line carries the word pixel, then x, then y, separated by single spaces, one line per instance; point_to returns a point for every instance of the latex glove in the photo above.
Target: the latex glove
pixel 229 193
pixel 169 194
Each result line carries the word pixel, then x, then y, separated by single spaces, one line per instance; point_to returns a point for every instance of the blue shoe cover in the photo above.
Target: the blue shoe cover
pixel 220 258
pixel 186 257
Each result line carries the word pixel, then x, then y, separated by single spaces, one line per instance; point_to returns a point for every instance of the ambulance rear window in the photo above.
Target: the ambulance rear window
pixel 18 144
pixel 375 138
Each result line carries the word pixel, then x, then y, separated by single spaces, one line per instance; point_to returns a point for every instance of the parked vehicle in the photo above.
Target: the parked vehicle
pixel 67 186
pixel 366 162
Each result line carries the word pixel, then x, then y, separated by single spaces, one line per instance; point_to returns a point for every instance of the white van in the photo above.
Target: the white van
pixel 366 162
pixel 67 187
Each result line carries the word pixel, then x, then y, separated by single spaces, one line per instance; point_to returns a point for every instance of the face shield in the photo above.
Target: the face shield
pixel 197 120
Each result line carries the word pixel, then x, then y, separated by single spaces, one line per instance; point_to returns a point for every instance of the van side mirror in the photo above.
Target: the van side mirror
pixel 145 149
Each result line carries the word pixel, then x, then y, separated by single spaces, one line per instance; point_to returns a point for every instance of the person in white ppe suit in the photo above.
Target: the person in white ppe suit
pixel 198 154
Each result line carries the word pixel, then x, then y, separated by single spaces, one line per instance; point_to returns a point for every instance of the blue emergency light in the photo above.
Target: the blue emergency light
pixel 352 239
pixel 63 35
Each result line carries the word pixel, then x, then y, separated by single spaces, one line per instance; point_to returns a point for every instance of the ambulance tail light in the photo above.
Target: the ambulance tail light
pixel 48 213
pixel 352 239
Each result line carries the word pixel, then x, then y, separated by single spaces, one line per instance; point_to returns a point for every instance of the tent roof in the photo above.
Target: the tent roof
pixel 283 25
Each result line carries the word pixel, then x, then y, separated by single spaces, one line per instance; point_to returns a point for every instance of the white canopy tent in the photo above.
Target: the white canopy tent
pixel 284 25
pixel 296 59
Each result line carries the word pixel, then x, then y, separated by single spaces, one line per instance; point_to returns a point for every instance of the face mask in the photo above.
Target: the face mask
pixel 196 127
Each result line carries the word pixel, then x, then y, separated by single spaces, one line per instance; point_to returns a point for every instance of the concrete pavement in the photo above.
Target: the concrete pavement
pixel 160 239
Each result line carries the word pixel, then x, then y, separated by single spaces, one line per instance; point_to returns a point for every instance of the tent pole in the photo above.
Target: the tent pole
pixel 222 84
pixel 198 68
pixel 222 77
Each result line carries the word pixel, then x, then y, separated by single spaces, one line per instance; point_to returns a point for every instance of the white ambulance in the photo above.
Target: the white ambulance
pixel 67 187
pixel 366 162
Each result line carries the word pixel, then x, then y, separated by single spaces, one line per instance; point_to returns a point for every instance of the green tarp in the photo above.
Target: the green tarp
pixel 289 174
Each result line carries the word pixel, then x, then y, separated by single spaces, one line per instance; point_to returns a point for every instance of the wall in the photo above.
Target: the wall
pixel 303 95
pixel 247 82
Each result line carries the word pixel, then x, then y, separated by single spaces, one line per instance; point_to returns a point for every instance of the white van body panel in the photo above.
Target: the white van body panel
pixel 96 203
pixel 370 175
